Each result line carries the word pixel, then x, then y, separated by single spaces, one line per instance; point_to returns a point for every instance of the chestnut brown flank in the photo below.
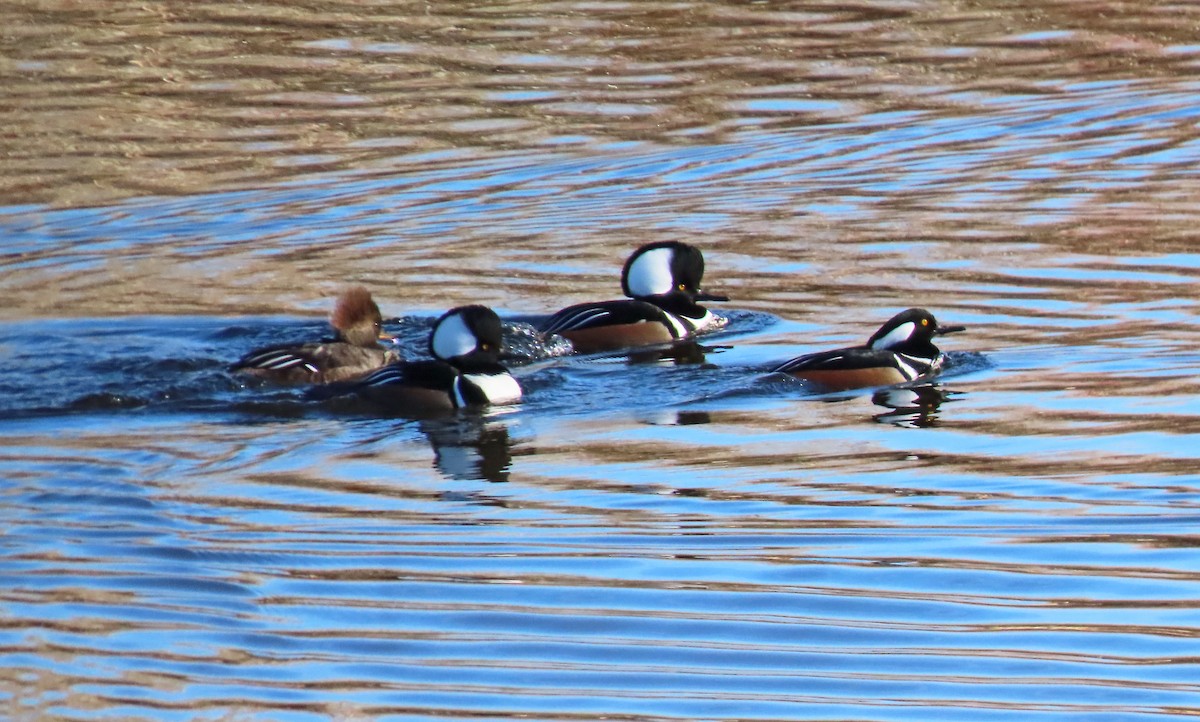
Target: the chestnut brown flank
pixel 610 338
pixel 841 380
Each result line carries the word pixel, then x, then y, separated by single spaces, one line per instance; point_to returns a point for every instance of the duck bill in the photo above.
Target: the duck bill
pixel 705 296
pixel 385 336
pixel 943 330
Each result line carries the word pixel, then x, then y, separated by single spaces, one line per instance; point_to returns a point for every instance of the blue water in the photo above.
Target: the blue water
pixel 694 539
pixel 665 537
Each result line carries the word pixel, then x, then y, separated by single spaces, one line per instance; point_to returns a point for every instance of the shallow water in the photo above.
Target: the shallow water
pixel 645 538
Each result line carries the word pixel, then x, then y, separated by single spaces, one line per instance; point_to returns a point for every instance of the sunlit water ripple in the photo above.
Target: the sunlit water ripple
pixel 647 537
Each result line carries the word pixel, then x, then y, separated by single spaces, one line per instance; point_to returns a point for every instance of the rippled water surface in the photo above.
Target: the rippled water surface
pixel 643 538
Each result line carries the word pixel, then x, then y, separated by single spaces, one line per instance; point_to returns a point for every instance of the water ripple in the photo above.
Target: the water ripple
pixel 654 536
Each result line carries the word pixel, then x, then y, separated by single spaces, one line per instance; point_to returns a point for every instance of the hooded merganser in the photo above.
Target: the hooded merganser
pixel 900 351
pixel 355 350
pixel 662 281
pixel 465 370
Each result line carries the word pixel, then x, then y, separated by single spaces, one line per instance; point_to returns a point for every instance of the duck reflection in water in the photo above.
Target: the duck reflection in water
pixel 911 406
pixel 469 447
pixel 676 417
pixel 686 353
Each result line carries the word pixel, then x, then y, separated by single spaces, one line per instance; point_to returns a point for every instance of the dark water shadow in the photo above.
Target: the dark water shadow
pixel 470 447
pixel 467 445
pixel 914 407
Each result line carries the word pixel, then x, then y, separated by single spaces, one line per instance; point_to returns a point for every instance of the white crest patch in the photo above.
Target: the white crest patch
pixel 896 336
pixel 650 274
pixel 452 338
pixel 498 388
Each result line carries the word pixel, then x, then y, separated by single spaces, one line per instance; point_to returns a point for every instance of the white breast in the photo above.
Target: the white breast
pixel 709 322
pixel 498 388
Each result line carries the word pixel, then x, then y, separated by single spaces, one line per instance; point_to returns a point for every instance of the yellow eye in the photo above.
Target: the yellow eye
pixel 924 322
pixel 485 346
pixel 683 287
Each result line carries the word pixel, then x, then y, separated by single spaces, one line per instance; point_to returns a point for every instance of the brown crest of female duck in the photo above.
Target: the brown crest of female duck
pixel 354 351
pixel 465 370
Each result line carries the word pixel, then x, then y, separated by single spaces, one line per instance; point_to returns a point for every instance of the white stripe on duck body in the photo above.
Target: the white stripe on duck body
pixel 465 370
pixel 902 350
pixel 354 351
pixel 662 282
